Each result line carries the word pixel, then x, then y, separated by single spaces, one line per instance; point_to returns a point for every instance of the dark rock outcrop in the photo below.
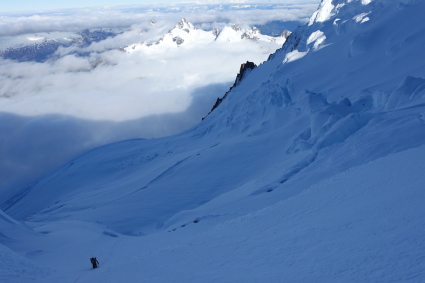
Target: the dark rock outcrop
pixel 178 40
pixel 245 69
pixel 216 32
pixel 285 34
pixel 95 36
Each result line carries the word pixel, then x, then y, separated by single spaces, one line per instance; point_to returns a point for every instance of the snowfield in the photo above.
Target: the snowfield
pixel 310 170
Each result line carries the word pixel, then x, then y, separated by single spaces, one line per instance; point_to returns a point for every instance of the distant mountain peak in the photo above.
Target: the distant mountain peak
pixel 216 32
pixel 285 34
pixel 35 49
pixel 235 27
pixel 251 34
pixel 185 25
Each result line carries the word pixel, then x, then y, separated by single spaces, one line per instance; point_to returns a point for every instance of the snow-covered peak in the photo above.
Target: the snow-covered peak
pixel 328 8
pixel 235 27
pixel 235 33
pixel 14 42
pixel 325 11
pixel 252 33
pixel 185 34
pixel 184 25
pixel 215 32
pixel 285 34
pixel 27 48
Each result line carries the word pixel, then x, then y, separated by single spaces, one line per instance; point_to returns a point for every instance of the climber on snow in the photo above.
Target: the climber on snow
pixel 94 262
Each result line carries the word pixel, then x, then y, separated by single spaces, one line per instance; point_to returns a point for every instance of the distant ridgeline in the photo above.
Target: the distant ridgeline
pixel 185 33
pixel 39 47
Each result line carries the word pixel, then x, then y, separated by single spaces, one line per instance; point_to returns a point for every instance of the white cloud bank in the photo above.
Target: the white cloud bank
pixel 125 16
pixel 127 86
pixel 53 111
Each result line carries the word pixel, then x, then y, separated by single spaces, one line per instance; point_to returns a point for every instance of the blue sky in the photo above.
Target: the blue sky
pixel 30 5
pixel 49 4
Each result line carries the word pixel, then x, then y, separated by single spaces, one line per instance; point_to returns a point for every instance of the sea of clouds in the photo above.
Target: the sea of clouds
pixel 87 96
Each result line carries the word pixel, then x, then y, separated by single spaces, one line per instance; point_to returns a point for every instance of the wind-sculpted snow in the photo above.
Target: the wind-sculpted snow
pixel 410 89
pixel 310 166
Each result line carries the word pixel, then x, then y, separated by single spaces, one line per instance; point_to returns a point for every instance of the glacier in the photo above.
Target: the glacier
pixel 309 170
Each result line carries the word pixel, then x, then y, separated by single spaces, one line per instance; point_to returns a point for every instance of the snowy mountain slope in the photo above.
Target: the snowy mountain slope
pixel 304 117
pixel 185 34
pixel 357 226
pixel 11 229
pixel 12 42
pixel 35 48
pixel 16 268
pixel 310 169
pixel 13 265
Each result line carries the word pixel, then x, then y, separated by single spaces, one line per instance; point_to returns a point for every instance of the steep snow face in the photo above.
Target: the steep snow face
pixel 324 12
pixel 329 8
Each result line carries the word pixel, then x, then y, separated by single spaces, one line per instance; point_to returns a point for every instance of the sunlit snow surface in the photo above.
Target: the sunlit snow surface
pixel 310 170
